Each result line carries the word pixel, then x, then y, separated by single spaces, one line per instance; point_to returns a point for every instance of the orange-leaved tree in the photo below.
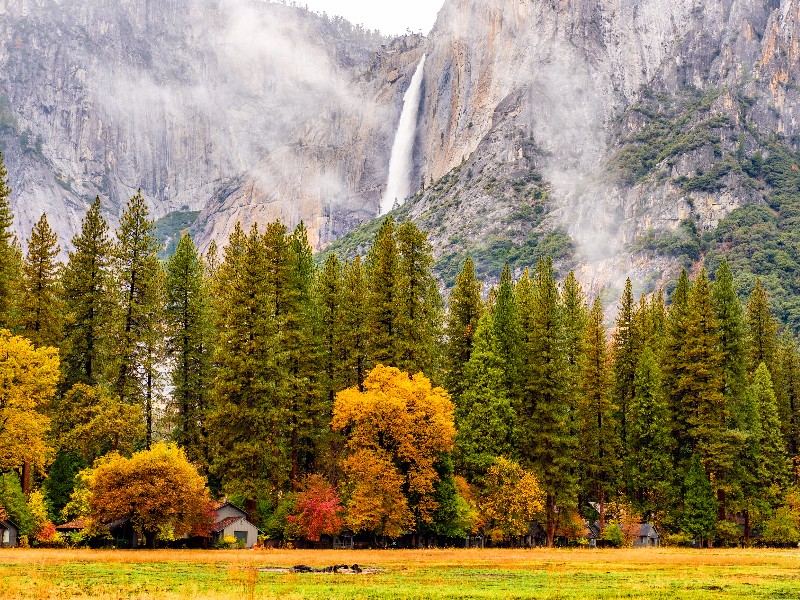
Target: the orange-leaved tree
pixel 511 499
pixel 158 489
pixel 396 430
pixel 28 378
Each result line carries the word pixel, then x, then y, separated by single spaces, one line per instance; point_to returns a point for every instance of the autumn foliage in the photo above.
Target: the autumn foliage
pixel 511 500
pixel 318 510
pixel 28 378
pixel 397 428
pixel 158 489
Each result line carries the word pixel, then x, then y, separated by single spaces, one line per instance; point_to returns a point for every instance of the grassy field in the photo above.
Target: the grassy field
pixel 216 575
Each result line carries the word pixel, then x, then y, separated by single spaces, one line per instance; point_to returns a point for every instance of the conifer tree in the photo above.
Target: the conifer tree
pixel 189 344
pixel 137 323
pixel 546 442
pixel 624 359
pixel 772 460
pixel 674 370
pixel 418 318
pixel 730 318
pixel 505 319
pixel 462 322
pixel 247 422
pixel 330 309
pixel 598 451
pixel 9 259
pixel 703 416
pixel 649 440
pixel 787 393
pixel 355 310
pixel 761 330
pixel 382 274
pixel 485 418
pixel 699 505
pixel 308 412
pixel 41 313
pixel 87 287
pixel 575 318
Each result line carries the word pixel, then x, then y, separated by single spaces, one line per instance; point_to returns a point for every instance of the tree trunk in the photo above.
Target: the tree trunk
pixel 149 540
pixel 602 509
pixel 722 502
pixel 551 521
pixel 26 478
pixel 746 528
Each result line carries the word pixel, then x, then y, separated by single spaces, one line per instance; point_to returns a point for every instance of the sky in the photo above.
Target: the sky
pixel 391 18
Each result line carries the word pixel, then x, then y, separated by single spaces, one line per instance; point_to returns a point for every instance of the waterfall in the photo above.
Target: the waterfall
pixel 398 186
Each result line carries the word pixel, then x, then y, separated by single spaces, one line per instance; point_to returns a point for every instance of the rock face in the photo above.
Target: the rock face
pixel 600 119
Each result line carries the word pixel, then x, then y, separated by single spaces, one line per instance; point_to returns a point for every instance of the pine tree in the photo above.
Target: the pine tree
pixel 575 318
pixel 485 418
pixel 418 319
pixel 624 360
pixel 546 443
pixel 465 311
pixel 505 319
pixel 787 393
pixel 699 505
pixel 382 274
pixel 137 329
pixel 674 369
pixel 649 440
pixel 308 412
pixel 772 461
pixel 247 424
pixel 598 450
pixel 189 344
pixel 41 313
pixel 9 261
pixel 87 286
pixel 355 311
pixel 761 330
pixel 702 417
pixel 330 310
pixel 730 317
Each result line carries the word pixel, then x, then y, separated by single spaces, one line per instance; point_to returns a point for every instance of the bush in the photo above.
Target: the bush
pixel 729 534
pixel 677 540
pixel 613 535
pixel 781 529
pixel 226 543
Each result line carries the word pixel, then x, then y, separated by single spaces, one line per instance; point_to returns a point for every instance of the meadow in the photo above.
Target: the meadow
pixel 434 574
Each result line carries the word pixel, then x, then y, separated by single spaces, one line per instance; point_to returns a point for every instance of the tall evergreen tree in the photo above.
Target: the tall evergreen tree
pixel 330 310
pixel 9 260
pixel 624 360
pixel 703 416
pixel 598 450
pixel 41 314
pixel 649 440
pixel 462 322
pixel 419 306
pixel 787 393
pixel 87 286
pixel 699 505
pixel 308 412
pixel 546 442
pixel 575 317
pixel 355 311
pixel 732 337
pixel 190 345
pixel 382 284
pixel 761 330
pixel 507 332
pixel 772 460
pixel 485 418
pixel 247 422
pixel 136 328
pixel 674 369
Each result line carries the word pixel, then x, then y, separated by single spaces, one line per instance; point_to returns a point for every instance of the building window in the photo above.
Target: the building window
pixel 241 537
pixel 6 536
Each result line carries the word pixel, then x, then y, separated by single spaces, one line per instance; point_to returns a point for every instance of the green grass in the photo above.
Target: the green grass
pixel 646 573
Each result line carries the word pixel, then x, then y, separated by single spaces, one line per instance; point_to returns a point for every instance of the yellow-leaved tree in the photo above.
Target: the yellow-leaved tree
pixel 511 499
pixel 396 430
pixel 28 378
pixel 158 489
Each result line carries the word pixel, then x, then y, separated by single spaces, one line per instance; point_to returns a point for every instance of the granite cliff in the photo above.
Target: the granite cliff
pixel 572 127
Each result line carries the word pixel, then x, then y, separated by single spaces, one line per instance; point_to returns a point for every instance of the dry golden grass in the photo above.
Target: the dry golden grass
pixel 538 573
